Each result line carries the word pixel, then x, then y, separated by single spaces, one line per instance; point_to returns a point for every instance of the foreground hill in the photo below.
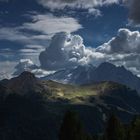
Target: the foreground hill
pixel 33 109
pixel 88 74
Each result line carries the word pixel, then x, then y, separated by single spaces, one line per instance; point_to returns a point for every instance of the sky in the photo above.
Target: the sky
pixel 44 36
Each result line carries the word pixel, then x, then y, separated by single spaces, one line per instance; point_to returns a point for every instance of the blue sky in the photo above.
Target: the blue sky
pixel 27 28
pixel 96 30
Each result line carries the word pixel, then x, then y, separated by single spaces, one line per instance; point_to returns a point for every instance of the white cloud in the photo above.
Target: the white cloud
pixel 76 4
pixel 41 73
pixel 46 25
pixel 125 42
pixel 12 34
pixel 124 49
pixel 68 50
pixel 6 69
pixel 28 51
pixel 30 44
pixel 65 51
pixel 37 49
pixel 95 12
pixel 15 34
pixel 28 65
pixel 24 65
pixel 49 24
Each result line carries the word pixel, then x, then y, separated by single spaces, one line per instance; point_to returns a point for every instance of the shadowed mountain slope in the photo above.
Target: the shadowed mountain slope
pixel 33 109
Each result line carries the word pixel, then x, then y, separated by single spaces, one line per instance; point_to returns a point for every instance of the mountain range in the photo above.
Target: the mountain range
pixel 89 74
pixel 32 108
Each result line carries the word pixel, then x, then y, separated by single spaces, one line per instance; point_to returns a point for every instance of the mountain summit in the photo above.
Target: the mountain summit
pixel 77 75
pixel 26 82
pixel 89 74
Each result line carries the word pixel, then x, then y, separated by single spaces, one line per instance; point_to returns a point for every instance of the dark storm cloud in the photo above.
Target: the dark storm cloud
pixel 134 11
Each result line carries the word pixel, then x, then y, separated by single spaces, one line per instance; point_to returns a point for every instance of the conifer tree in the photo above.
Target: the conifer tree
pixel 72 128
pixel 114 130
pixel 134 132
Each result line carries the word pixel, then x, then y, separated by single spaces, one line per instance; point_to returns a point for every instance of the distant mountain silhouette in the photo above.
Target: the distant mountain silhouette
pixel 89 74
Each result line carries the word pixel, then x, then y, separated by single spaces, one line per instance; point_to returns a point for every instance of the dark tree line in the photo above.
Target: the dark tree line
pixel 72 129
pixel 24 118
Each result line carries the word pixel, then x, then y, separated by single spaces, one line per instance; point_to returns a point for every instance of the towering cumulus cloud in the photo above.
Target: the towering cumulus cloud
pixel 68 50
pixel 125 42
pixel 124 49
pixel 64 51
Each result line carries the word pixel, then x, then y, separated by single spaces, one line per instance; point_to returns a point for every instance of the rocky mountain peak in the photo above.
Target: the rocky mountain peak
pixel 28 76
